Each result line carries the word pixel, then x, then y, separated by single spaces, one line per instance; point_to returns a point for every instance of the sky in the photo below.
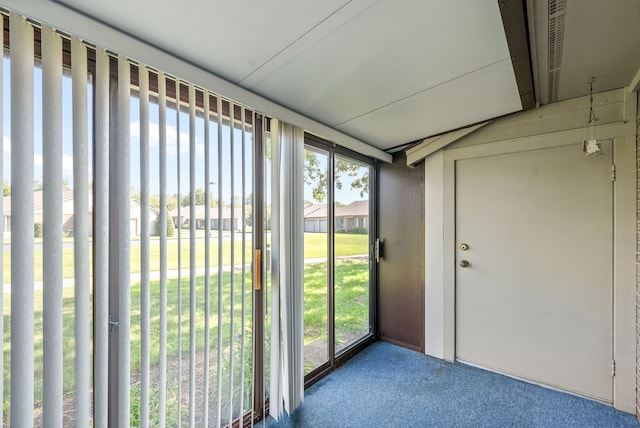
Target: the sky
pixel 67 128
pixel 177 148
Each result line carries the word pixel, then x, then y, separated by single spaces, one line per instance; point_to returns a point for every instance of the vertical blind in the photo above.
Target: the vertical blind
pixel 101 241
pixel 287 322
pixel 130 212
pixel 22 254
pixel 52 234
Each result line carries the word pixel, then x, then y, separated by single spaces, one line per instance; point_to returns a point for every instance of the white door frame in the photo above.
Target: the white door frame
pixel 440 245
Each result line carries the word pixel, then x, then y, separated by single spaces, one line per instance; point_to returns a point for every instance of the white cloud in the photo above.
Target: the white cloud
pixel 67 163
pixel 171 132
pixel 6 144
pixel 199 148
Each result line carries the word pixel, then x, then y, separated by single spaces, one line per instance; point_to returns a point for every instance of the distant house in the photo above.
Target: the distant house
pixel 347 218
pixel 135 218
pixel 68 213
pixel 230 220
pixel 315 218
pixel 353 216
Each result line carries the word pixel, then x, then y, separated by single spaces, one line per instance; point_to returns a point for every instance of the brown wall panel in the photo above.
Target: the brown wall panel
pixel 401 269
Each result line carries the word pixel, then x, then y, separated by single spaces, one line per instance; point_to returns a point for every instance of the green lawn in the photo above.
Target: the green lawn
pixel 173 342
pixel 351 316
pixel 315 246
pixel 351 306
pixel 346 244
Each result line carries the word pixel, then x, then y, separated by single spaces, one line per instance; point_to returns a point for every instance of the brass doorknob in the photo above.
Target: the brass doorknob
pixel 464 263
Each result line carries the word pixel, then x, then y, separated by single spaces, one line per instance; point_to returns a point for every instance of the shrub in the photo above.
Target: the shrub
pixel 170 227
pixel 37 230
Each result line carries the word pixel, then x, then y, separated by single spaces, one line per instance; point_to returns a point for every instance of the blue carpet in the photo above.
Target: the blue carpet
pixel 389 386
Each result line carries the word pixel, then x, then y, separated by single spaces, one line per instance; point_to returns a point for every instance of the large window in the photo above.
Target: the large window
pixel 127 257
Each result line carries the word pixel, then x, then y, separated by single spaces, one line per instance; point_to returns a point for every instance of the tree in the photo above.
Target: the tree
pixel 170 226
pixel 359 178
pixel 200 196
pixel 6 188
pixel 185 200
pixel 172 202
pixel 316 175
pixel 154 201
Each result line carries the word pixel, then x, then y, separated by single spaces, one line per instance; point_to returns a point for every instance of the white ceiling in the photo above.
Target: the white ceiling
pixel 601 40
pixel 386 72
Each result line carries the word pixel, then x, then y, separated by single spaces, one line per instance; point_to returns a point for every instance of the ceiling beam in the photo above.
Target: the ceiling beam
pixel 635 82
pixel 431 145
pixel 514 20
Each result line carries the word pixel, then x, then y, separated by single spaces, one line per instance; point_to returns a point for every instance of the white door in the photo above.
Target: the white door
pixel 535 300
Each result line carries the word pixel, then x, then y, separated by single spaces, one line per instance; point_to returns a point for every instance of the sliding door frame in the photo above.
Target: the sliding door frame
pixel 260 403
pixel 336 359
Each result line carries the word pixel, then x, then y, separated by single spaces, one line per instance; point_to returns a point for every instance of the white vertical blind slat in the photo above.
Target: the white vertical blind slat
pixel 123 261
pixel 52 326
pixel 232 251
pixel 244 262
pixel 145 294
pixel 180 220
pixel 162 125
pixel 81 230
pixel 192 256
pixel 207 256
pixel 22 258
pixel 101 241
pixel 220 263
pixel 276 407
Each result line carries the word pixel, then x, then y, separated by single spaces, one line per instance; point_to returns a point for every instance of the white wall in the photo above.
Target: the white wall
pixel 434 293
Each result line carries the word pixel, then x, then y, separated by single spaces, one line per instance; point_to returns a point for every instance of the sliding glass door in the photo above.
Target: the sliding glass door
pixel 352 214
pixel 316 253
pixel 338 237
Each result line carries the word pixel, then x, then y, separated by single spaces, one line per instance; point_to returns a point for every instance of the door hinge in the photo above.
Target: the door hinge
pixel 613 173
pixel 613 368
